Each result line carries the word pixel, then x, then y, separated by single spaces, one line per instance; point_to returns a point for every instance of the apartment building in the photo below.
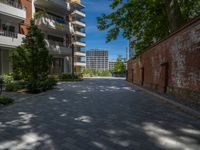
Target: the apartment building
pixel 112 65
pixel 61 22
pixel 77 21
pixel 113 62
pixel 97 59
pixel 12 16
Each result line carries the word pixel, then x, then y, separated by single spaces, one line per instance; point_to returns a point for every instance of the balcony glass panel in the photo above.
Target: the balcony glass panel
pixel 8 34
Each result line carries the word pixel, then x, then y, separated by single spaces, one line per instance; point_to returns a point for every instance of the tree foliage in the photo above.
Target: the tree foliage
pixel 119 66
pixel 101 73
pixel 146 20
pixel 31 60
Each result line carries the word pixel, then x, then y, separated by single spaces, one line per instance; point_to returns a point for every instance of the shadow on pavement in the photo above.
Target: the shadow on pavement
pixel 97 114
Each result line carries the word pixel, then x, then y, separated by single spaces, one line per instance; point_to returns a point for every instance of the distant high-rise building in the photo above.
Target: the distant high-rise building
pixel 97 59
pixel 112 65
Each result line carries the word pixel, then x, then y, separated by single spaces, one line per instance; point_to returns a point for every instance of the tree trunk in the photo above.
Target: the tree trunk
pixel 175 17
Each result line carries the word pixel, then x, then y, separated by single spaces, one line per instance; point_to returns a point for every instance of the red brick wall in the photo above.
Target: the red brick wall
pixel 27 4
pixel 173 63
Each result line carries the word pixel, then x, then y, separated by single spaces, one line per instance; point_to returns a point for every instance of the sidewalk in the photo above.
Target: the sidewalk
pixel 183 105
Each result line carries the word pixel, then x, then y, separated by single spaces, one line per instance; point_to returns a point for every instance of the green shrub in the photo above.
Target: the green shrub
pixel 86 72
pixel 41 86
pixel 70 77
pixel 10 87
pixel 15 86
pixel 5 100
pixel 32 86
pixel 54 77
pixel 7 78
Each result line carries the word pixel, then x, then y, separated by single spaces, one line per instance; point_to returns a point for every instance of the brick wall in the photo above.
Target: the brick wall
pixel 171 65
pixel 26 4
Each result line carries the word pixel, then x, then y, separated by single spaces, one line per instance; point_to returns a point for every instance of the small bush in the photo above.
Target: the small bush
pixel 7 78
pixel 5 100
pixel 10 87
pixel 41 86
pixel 15 86
pixel 70 77
pixel 54 77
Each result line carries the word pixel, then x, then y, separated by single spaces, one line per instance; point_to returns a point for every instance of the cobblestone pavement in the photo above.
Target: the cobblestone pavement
pixel 96 114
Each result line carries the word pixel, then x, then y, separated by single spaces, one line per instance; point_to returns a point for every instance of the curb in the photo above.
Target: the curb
pixel 182 107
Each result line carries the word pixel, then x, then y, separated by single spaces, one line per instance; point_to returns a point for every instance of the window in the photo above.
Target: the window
pixel 8 28
pixel 54 38
pixel 11 28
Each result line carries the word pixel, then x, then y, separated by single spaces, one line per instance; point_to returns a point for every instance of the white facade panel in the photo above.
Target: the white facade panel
pixel 12 11
pixel 10 39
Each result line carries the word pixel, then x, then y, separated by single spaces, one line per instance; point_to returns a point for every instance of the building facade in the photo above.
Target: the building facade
pixel 112 65
pixel 61 22
pixel 113 62
pixel 97 59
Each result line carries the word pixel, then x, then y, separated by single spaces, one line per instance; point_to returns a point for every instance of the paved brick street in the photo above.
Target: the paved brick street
pixel 96 114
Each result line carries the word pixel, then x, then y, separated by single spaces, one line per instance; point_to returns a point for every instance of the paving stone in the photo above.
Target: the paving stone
pixel 106 114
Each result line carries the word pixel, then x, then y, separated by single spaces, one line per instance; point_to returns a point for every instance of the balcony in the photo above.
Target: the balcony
pixel 78 14
pixel 54 24
pixel 80 54
pixel 80 64
pixel 79 24
pixel 77 4
pixel 79 34
pixel 58 48
pixel 10 40
pixel 12 9
pixel 79 44
pixel 56 6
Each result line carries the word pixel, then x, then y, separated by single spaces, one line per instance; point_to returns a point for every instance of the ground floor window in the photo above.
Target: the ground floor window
pixel 58 65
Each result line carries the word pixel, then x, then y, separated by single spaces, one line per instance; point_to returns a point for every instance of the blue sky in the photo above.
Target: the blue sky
pixel 96 38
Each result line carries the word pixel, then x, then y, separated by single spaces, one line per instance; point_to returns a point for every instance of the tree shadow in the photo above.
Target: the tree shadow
pixel 105 114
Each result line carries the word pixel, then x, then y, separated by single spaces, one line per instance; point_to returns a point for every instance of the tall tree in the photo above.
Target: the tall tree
pixel 32 60
pixel 119 66
pixel 147 20
pixel 175 17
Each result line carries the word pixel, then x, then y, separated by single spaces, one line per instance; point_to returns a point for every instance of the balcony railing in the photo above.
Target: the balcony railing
pixel 52 22
pixel 8 34
pixel 77 5
pixel 82 30
pixel 10 39
pixel 78 61
pixel 58 21
pixel 82 64
pixel 12 3
pixel 79 53
pixel 79 13
pixel 51 42
pixel 79 20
